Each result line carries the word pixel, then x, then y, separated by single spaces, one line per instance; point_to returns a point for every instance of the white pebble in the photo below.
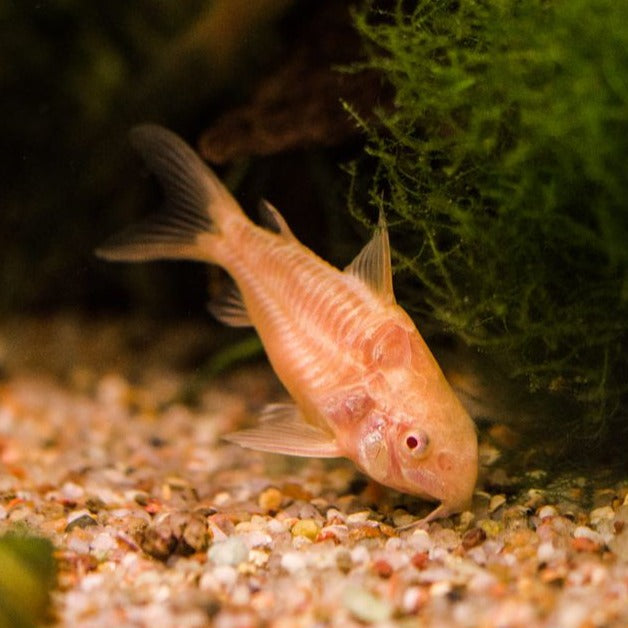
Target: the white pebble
pixel 482 581
pixel 364 606
pixel 293 562
pixel 439 589
pixel 332 514
pixel 241 595
pixel 496 502
pixel 92 582
pixel 547 511
pixel 73 491
pixel 393 543
pixel 226 576
pixel 412 599
pixel 360 555
pixel 103 544
pixel 257 538
pixel 276 526
pixel 78 545
pixel 358 517
pixel 546 552
pixel 420 541
pixel 231 551
pixel 583 532
pixel 605 513
pixel 258 557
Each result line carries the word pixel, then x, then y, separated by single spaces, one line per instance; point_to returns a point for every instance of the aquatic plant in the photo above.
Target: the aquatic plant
pixel 501 165
pixel 27 577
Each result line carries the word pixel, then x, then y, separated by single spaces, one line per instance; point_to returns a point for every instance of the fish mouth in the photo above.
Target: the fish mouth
pixel 428 483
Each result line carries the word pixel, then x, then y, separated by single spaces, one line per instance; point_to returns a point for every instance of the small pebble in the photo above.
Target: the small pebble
pixel 545 512
pixel 604 513
pixel 307 528
pixel 546 552
pixel 421 541
pixel 402 518
pixel 496 502
pixel 584 544
pixel 358 517
pixel 365 532
pixel 365 606
pixel 490 527
pixel 225 575
pixel 296 491
pixel 619 545
pixel 383 568
pixel 270 499
pixel 344 561
pixel 466 518
pixel 439 589
pixel 196 535
pixel 413 599
pixel 293 562
pixel 420 560
pixel 95 504
pixel 584 532
pixel 473 537
pixel 231 551
pixel 103 544
pixel 83 521
pixel 72 491
pixel 258 557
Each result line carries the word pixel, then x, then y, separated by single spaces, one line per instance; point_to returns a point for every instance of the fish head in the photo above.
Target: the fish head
pixel 441 466
pixel 434 459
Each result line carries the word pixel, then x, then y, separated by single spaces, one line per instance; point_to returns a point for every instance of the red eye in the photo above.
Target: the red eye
pixel 417 442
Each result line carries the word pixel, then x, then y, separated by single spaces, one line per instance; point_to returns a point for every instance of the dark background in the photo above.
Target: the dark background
pixel 253 84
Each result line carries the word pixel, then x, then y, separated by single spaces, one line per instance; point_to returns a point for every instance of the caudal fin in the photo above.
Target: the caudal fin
pixel 197 204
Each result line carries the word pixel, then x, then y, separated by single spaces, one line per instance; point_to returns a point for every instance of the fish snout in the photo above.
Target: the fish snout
pixel 426 483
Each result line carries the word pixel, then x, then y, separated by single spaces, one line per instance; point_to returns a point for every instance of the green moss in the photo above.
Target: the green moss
pixel 502 166
pixel 27 576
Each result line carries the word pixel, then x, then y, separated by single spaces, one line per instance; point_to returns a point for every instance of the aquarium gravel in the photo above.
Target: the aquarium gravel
pixel 157 522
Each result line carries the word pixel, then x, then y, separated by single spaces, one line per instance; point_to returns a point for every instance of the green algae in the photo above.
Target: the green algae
pixel 501 165
pixel 27 576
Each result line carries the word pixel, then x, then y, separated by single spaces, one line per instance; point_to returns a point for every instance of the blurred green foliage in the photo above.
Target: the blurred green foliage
pixel 27 575
pixel 502 169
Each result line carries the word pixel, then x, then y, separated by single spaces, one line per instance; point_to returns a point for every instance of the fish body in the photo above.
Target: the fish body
pixel 364 383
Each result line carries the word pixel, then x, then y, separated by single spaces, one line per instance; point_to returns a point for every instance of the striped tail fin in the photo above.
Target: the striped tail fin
pixel 197 204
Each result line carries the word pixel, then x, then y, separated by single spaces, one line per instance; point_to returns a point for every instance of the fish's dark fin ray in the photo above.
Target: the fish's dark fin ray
pixel 196 203
pixel 164 235
pixel 372 264
pixel 229 308
pixel 273 220
pixel 283 430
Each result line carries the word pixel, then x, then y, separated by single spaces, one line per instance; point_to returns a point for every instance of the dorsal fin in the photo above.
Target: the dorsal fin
pixel 372 264
pixel 273 220
pixel 229 308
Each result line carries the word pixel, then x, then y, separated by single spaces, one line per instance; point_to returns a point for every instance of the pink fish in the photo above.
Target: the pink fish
pixel 364 383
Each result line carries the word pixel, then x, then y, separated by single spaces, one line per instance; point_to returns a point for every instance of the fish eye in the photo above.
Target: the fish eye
pixel 417 442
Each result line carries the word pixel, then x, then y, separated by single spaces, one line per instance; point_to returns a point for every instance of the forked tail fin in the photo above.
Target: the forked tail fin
pixel 197 204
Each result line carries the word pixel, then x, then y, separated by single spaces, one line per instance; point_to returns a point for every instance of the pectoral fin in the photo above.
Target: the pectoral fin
pixel 283 430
